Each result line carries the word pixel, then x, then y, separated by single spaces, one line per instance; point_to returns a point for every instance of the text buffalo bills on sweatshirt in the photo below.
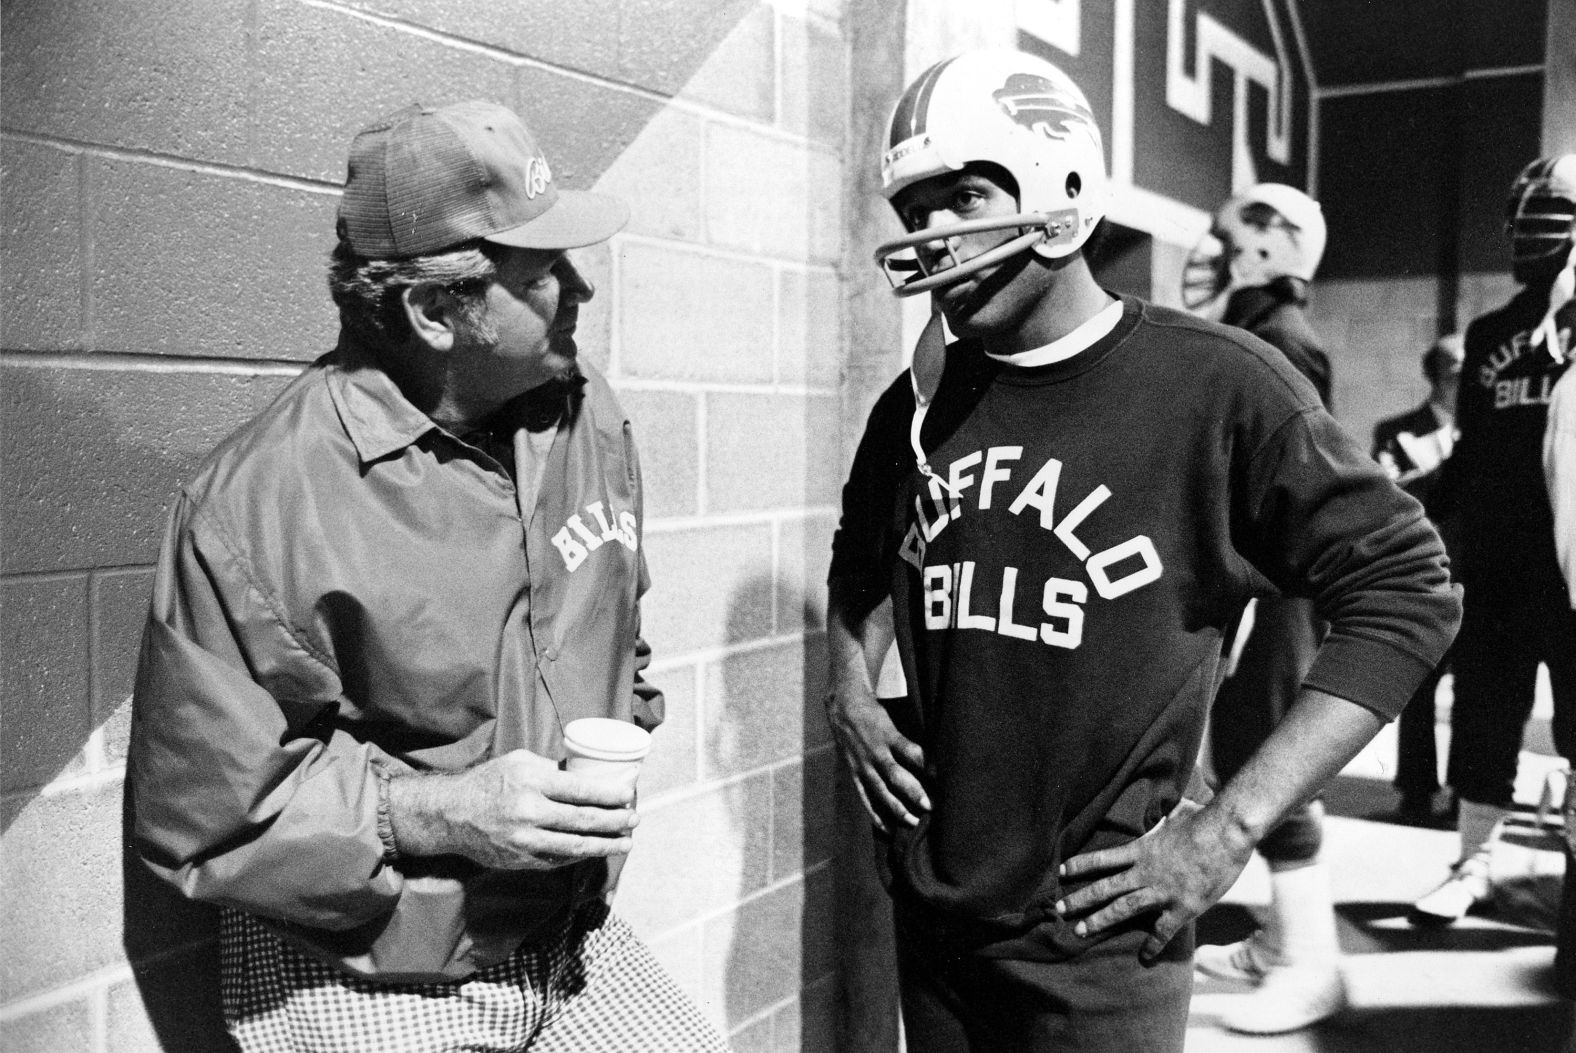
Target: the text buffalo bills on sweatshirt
pixel 1060 613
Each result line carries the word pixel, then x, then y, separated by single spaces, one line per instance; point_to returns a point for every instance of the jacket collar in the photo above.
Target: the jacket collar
pixel 375 413
pixel 1248 307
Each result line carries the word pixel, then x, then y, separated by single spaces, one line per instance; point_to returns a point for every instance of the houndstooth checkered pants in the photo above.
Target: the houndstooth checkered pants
pixel 593 988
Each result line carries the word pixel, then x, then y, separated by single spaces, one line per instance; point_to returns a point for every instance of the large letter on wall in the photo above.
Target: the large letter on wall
pixel 1057 22
pixel 1190 95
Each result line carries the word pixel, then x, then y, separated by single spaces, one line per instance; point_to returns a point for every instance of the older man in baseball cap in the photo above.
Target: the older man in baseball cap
pixel 378 604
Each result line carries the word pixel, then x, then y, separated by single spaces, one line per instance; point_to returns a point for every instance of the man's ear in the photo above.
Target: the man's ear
pixel 429 310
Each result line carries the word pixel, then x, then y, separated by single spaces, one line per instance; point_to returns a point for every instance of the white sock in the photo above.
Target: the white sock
pixel 1478 825
pixel 1301 925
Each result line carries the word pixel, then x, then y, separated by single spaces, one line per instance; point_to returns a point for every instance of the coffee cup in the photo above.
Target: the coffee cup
pixel 605 748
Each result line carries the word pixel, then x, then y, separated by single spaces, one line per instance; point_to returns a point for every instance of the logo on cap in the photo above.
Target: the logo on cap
pixel 537 176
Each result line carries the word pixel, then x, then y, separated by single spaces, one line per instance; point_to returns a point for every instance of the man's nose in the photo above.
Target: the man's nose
pixel 933 223
pixel 576 287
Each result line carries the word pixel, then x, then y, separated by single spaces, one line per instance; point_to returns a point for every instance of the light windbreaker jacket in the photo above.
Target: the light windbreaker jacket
pixel 346 585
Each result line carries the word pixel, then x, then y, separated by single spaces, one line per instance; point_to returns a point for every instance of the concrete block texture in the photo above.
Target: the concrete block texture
pixel 772 451
pixel 168 77
pixel 679 953
pixel 711 587
pixel 809 330
pixel 697 856
pixel 769 948
pixel 582 125
pixel 740 74
pixel 170 1004
pixel 803 813
pixel 673 762
pixel 759 192
pixel 41 207
pixel 814 81
pixel 666 433
pixel 809 1022
pixel 323 74
pixel 67 1026
pixel 118 605
pixel 754 1037
pixel 60 889
pixel 763 706
pixel 194 263
pixel 656 44
pixel 804 552
pixel 44 709
pixel 92 458
pixel 658 174
pixel 687 315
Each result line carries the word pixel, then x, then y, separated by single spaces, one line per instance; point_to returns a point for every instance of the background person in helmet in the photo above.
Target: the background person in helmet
pixel 1261 253
pixel 1058 515
pixel 1517 611
pixel 1413 448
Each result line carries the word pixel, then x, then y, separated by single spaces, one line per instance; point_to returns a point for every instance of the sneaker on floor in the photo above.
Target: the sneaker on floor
pixel 1466 889
pixel 1289 998
pixel 1246 961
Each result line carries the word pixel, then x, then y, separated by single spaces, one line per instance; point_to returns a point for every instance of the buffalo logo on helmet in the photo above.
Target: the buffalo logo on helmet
pixel 1043 106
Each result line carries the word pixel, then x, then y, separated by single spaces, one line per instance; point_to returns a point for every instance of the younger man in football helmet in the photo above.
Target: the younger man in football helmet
pixel 1059 514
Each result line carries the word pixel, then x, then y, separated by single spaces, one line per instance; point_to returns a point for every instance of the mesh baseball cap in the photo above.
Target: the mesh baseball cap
pixel 424 179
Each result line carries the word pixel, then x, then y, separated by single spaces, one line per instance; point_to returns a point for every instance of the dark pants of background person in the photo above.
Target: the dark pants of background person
pixel 1416 746
pixel 1280 649
pixel 1103 1001
pixel 1503 639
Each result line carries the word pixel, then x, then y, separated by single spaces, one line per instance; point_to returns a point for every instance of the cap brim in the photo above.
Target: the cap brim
pixel 578 218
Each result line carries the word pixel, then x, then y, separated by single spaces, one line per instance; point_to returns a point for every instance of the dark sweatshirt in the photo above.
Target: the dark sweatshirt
pixel 1061 622
pixel 1494 479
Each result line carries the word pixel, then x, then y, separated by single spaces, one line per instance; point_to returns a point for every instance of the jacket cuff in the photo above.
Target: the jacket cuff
pixel 1374 674
pixel 385 823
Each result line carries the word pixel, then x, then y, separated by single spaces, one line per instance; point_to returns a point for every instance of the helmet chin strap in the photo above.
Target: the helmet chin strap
pixel 924 374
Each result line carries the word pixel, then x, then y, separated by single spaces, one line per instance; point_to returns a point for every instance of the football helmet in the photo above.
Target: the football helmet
pixel 1268 231
pixel 1540 214
pixel 1011 109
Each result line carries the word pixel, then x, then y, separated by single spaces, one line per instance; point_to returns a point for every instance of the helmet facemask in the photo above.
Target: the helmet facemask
pixel 1540 217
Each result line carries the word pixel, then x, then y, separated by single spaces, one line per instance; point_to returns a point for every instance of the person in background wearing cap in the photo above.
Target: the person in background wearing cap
pixel 377 604
pixel 1517 610
pixel 1413 447
pixel 1060 514
pixel 1252 271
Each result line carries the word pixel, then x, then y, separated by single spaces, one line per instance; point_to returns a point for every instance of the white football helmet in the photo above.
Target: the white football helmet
pixel 1016 111
pixel 1266 232
pixel 1540 215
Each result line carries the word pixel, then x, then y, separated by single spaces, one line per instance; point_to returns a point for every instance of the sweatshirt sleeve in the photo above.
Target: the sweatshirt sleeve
pixel 1559 469
pixel 241 796
pixel 861 554
pixel 1326 523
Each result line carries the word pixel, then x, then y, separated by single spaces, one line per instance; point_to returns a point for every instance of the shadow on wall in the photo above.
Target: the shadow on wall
pixel 91 460
pixel 173 945
pixel 779 984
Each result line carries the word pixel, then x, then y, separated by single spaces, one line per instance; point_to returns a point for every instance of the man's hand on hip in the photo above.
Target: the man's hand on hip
pixel 885 765
pixel 514 812
pixel 1179 869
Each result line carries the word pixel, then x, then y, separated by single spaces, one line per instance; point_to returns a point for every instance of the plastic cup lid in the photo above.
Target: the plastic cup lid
pixel 606 739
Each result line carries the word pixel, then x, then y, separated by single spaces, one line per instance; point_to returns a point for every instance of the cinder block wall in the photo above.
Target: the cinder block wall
pixel 170 174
